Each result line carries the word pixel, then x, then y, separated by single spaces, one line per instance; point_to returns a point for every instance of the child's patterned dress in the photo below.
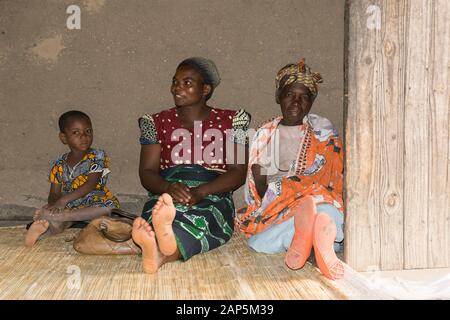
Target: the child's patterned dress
pixel 72 178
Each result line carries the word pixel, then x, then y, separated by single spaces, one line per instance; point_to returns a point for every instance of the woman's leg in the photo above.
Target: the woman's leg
pixel 338 219
pixel 275 239
pixel 152 257
pixel 202 227
pixel 323 239
pixel 278 237
pixel 301 245
pixel 199 228
pixel 327 239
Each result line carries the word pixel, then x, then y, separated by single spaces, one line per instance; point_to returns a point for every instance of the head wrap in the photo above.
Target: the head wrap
pixel 297 73
pixel 205 67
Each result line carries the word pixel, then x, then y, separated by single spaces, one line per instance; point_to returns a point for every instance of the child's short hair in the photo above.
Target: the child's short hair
pixel 68 116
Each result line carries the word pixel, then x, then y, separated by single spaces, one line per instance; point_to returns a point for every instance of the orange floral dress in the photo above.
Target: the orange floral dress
pixel 317 171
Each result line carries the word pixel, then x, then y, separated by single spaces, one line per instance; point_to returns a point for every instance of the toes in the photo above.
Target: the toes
pixel 148 227
pixel 138 222
pixel 167 199
pixel 157 206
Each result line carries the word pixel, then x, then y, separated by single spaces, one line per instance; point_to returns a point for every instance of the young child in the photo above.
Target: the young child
pixel 78 189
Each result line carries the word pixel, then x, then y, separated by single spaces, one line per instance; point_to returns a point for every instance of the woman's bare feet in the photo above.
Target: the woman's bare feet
pixel 162 218
pixel 323 241
pixel 144 236
pixel 36 230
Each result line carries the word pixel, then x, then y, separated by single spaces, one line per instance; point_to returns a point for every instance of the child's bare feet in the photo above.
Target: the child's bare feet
pixel 162 218
pixel 323 241
pixel 301 244
pixel 144 236
pixel 36 230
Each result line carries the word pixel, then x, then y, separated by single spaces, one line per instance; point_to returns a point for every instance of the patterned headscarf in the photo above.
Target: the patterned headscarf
pixel 299 73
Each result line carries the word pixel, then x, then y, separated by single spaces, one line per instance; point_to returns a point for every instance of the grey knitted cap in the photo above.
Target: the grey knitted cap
pixel 206 67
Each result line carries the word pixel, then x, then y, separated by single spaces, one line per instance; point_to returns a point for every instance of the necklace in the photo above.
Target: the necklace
pixel 277 137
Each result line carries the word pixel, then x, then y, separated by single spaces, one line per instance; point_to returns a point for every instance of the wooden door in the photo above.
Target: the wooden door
pixel 397 134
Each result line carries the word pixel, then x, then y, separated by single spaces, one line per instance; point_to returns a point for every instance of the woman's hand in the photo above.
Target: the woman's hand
pixel 179 192
pixel 197 195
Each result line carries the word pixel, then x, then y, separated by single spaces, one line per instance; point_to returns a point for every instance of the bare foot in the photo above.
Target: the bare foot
pixel 301 245
pixel 36 230
pixel 144 236
pixel 323 241
pixel 162 218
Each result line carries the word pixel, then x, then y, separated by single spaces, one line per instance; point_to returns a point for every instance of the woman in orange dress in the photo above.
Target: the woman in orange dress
pixel 294 182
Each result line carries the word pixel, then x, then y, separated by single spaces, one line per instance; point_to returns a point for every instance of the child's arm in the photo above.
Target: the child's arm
pixel 88 186
pixel 54 194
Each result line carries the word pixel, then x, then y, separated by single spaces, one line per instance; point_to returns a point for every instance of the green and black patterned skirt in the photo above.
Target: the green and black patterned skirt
pixel 207 224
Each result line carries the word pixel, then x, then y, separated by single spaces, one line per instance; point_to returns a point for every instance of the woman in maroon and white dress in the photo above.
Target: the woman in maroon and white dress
pixel 190 166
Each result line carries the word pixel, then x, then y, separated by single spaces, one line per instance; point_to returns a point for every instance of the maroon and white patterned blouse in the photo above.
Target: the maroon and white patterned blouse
pixel 204 144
